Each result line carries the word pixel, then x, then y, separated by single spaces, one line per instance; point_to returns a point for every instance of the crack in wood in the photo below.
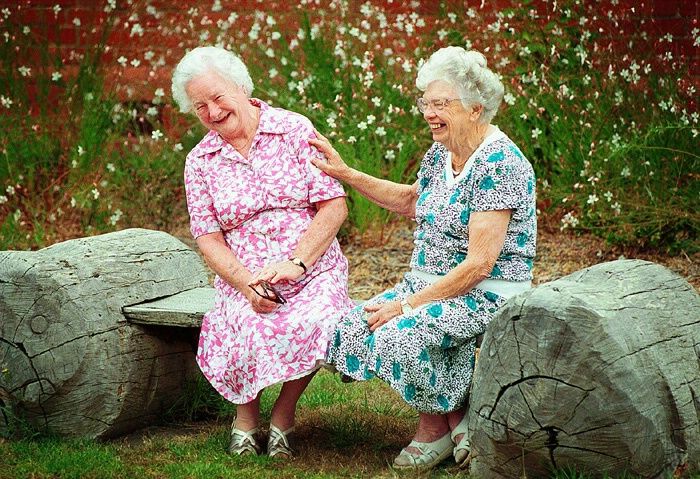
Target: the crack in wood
pixel 643 348
pixel 534 376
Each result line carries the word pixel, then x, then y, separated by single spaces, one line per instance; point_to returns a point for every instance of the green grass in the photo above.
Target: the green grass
pixel 343 430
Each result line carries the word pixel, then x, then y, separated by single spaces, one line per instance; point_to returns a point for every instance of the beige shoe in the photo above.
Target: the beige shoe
pixel 243 442
pixel 461 450
pixel 277 442
pixel 431 454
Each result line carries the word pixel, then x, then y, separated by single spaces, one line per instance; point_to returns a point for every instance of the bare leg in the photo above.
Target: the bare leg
pixel 431 427
pixel 248 415
pixel 286 405
pixel 454 418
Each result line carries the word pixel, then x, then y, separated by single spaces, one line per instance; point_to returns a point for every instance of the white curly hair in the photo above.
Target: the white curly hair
pixel 201 60
pixel 467 72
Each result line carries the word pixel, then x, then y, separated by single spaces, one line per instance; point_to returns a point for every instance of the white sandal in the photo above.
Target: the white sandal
pixel 243 442
pixel 277 442
pixel 431 454
pixel 461 449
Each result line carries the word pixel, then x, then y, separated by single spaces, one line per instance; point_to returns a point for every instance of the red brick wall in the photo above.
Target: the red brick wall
pixel 71 26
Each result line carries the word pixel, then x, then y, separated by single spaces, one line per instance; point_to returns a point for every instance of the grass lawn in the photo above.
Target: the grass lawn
pixel 343 430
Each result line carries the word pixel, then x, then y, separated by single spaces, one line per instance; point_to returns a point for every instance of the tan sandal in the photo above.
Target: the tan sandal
pixel 463 447
pixel 431 454
pixel 243 443
pixel 277 442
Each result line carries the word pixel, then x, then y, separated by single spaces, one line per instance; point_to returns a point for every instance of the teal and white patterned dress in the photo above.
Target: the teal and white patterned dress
pixel 428 355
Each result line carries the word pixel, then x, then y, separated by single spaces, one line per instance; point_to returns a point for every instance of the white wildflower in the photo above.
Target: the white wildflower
pixel 136 29
pixel 95 193
pixel 156 135
pixel 380 131
pixel 116 216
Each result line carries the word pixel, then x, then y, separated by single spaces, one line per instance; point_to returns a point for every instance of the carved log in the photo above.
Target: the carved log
pixel 73 364
pixel 599 371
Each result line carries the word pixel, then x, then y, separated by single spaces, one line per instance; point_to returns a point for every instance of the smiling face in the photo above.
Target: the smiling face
pixel 454 121
pixel 222 106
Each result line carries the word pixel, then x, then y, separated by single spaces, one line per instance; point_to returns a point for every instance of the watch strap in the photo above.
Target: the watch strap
pixel 298 262
pixel 406 308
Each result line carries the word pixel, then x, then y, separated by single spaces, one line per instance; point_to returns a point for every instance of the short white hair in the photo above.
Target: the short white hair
pixel 202 60
pixel 467 72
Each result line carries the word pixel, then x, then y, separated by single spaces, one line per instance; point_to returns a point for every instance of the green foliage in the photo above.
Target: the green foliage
pixel 612 134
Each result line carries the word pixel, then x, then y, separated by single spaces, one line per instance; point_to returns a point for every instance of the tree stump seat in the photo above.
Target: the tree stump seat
pixel 98 335
pixel 598 371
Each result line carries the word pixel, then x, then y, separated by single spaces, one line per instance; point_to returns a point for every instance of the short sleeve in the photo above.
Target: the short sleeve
pixel 502 182
pixel 200 205
pixel 321 186
pixel 427 168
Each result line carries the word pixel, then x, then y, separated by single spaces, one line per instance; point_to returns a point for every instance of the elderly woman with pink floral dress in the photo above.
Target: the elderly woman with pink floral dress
pixel 266 221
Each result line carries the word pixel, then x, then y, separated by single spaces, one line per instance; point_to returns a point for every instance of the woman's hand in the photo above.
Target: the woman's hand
pixel 258 303
pixel 333 164
pixel 276 272
pixel 382 314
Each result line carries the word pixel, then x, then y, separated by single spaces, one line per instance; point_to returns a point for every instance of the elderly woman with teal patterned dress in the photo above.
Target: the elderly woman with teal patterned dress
pixel 474 207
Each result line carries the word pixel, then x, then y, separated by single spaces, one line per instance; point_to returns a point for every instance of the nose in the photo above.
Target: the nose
pixel 214 111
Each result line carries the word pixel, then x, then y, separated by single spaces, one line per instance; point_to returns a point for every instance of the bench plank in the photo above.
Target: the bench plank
pixel 184 309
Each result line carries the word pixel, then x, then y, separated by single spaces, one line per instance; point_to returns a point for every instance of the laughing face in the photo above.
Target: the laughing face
pixel 452 122
pixel 221 105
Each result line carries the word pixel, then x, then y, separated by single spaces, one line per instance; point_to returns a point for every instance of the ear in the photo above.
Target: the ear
pixel 475 112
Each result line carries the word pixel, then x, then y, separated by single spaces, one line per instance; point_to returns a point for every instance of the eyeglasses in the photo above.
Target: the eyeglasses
pixel 436 105
pixel 269 293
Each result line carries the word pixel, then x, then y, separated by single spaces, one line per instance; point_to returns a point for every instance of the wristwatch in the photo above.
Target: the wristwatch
pixel 298 262
pixel 405 307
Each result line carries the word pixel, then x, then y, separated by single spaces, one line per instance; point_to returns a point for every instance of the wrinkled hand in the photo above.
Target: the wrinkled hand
pixel 333 164
pixel 382 314
pixel 276 272
pixel 258 303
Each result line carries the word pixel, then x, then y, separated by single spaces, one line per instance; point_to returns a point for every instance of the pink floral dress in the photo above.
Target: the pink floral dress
pixel 263 204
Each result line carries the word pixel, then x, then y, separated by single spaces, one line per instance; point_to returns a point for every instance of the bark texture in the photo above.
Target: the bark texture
pixel 599 371
pixel 72 363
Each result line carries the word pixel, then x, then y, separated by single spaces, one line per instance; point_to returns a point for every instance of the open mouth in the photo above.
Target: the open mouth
pixel 435 127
